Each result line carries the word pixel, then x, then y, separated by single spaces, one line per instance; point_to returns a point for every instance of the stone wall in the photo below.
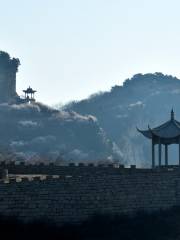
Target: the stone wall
pixel 76 195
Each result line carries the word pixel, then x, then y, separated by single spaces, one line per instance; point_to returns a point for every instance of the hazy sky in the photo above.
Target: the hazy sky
pixel 70 49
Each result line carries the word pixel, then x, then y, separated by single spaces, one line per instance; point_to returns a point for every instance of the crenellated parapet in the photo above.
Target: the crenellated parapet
pixel 51 170
pixel 74 169
pixel 70 169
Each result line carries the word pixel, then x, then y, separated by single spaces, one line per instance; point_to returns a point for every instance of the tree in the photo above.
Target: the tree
pixel 7 63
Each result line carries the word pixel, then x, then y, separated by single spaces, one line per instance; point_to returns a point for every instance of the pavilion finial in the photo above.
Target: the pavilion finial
pixel 172 114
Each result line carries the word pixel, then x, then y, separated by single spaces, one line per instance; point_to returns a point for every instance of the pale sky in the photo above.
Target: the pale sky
pixel 70 49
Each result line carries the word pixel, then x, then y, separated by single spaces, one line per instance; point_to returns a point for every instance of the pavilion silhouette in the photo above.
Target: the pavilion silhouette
pixel 165 134
pixel 29 94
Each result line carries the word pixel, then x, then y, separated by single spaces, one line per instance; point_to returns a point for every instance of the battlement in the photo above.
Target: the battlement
pixel 52 169
pixel 76 169
pixel 16 163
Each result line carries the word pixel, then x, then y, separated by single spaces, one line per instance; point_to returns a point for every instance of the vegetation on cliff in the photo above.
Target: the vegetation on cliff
pixel 7 63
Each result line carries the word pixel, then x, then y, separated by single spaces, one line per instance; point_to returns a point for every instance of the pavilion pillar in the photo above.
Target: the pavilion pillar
pixel 159 152
pixel 153 154
pixel 166 154
pixel 179 151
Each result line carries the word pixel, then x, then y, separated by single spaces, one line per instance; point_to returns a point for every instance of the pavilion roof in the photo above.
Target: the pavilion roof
pixel 168 130
pixel 29 90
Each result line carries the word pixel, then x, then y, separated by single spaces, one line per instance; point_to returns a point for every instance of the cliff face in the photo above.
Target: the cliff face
pixel 7 86
pixel 8 70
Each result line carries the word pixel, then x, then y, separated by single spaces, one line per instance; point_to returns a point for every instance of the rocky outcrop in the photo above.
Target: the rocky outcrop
pixel 8 70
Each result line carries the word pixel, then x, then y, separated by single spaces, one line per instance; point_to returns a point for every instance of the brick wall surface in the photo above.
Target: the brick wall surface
pixel 80 192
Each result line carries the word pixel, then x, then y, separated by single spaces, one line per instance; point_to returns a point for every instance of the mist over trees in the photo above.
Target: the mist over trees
pixel 36 132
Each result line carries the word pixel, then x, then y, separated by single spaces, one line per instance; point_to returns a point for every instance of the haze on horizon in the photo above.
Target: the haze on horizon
pixel 71 49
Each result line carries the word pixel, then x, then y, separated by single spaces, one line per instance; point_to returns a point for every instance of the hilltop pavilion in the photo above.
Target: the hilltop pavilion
pixel 29 94
pixel 165 134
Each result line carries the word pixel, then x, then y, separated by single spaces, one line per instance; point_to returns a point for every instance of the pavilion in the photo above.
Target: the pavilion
pixel 29 94
pixel 165 134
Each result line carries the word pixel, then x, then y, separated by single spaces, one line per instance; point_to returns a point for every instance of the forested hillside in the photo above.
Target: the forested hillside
pixel 141 100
